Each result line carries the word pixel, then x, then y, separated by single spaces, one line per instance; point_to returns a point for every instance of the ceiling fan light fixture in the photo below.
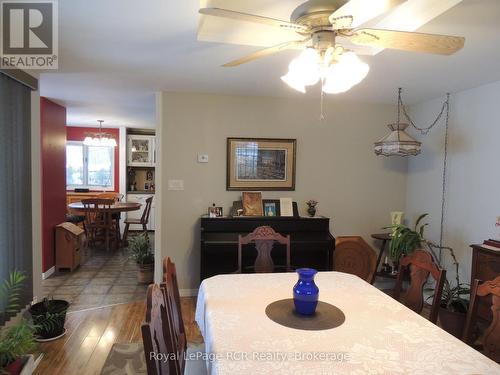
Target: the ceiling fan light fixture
pixel 304 70
pixel 294 82
pixel 346 73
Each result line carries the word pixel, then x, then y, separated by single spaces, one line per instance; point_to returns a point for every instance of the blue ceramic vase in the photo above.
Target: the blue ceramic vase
pixel 306 292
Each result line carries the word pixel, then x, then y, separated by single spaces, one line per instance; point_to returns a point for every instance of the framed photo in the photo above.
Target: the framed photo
pixel 252 203
pixel 260 164
pixel 271 207
pixel 214 211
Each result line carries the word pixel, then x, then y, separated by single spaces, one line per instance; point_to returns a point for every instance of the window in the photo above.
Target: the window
pixel 89 166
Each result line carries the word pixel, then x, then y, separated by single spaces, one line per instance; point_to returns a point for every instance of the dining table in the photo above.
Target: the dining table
pixel 378 336
pixel 77 208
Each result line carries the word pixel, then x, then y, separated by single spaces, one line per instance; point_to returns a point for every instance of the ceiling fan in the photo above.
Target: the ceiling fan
pixel 319 22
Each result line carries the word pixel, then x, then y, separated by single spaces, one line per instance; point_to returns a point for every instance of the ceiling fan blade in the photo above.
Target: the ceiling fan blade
pixel 266 52
pixel 362 11
pixel 225 13
pixel 408 41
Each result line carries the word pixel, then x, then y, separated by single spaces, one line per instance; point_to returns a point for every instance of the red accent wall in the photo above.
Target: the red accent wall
pixel 53 173
pixel 74 133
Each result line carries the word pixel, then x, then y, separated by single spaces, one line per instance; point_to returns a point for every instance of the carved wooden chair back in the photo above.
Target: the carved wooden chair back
pixel 264 238
pixel 491 337
pixel 421 264
pixel 170 273
pixel 353 255
pixel 157 334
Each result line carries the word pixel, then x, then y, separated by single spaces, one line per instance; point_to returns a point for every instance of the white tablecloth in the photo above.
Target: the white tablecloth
pixel 379 336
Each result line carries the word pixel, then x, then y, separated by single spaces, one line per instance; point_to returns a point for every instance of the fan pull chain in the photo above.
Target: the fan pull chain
pixel 322 114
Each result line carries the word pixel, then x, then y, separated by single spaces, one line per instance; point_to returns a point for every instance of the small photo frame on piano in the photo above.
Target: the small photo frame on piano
pixel 271 207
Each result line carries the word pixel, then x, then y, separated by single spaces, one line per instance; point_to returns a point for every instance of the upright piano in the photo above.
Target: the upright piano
pixel 312 244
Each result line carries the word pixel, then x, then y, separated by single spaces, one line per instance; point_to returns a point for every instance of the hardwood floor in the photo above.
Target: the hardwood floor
pixel 91 334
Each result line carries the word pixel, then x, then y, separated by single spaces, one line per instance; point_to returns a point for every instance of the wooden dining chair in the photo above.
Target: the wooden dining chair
pixel 158 335
pixel 196 366
pixel 99 224
pixel 353 255
pixel 111 195
pixel 144 220
pixel 170 276
pixel 264 238
pixel 490 340
pixel 420 264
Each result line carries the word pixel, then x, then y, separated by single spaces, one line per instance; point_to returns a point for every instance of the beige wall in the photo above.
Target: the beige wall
pixel 335 164
pixel 472 194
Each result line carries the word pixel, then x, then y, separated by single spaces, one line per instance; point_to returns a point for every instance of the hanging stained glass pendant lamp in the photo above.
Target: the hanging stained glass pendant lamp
pixel 398 142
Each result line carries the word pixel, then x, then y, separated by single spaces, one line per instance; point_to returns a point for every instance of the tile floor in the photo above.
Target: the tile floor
pixel 104 279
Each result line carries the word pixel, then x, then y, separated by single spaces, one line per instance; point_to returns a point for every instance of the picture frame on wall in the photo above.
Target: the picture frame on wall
pixel 261 164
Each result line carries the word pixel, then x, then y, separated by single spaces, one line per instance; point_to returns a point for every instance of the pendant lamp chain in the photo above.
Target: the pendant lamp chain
pixel 445 109
pixel 423 131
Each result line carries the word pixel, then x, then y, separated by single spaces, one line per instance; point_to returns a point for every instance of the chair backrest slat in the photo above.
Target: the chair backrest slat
pixel 147 211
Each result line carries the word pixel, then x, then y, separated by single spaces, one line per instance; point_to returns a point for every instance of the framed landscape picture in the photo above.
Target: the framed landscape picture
pixel 261 164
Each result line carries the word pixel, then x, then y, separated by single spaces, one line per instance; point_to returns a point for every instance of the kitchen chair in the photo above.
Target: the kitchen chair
pixel 490 340
pixel 353 255
pixel 420 264
pixel 264 238
pixel 99 223
pixel 142 221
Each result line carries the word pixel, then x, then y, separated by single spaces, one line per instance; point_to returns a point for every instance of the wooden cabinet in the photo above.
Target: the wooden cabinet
pixel 69 240
pixel 311 244
pixel 141 198
pixel 141 151
pixel 485 266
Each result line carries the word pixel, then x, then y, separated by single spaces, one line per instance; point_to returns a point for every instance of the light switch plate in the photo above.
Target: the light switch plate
pixel 175 184
pixel 202 158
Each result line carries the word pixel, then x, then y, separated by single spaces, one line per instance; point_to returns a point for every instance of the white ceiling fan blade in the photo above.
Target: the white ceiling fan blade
pixel 266 52
pixel 225 13
pixel 409 41
pixel 362 11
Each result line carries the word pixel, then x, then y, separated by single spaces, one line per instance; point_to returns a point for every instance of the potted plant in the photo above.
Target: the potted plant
pixel 17 340
pixel 454 299
pixel 49 317
pixel 140 249
pixel 405 240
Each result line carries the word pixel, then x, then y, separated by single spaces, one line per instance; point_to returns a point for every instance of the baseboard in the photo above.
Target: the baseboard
pixel 48 273
pixel 188 292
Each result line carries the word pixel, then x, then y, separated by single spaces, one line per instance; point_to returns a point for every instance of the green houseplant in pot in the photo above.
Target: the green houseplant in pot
pixel 141 252
pixel 17 340
pixel 455 297
pixel 405 240
pixel 49 317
